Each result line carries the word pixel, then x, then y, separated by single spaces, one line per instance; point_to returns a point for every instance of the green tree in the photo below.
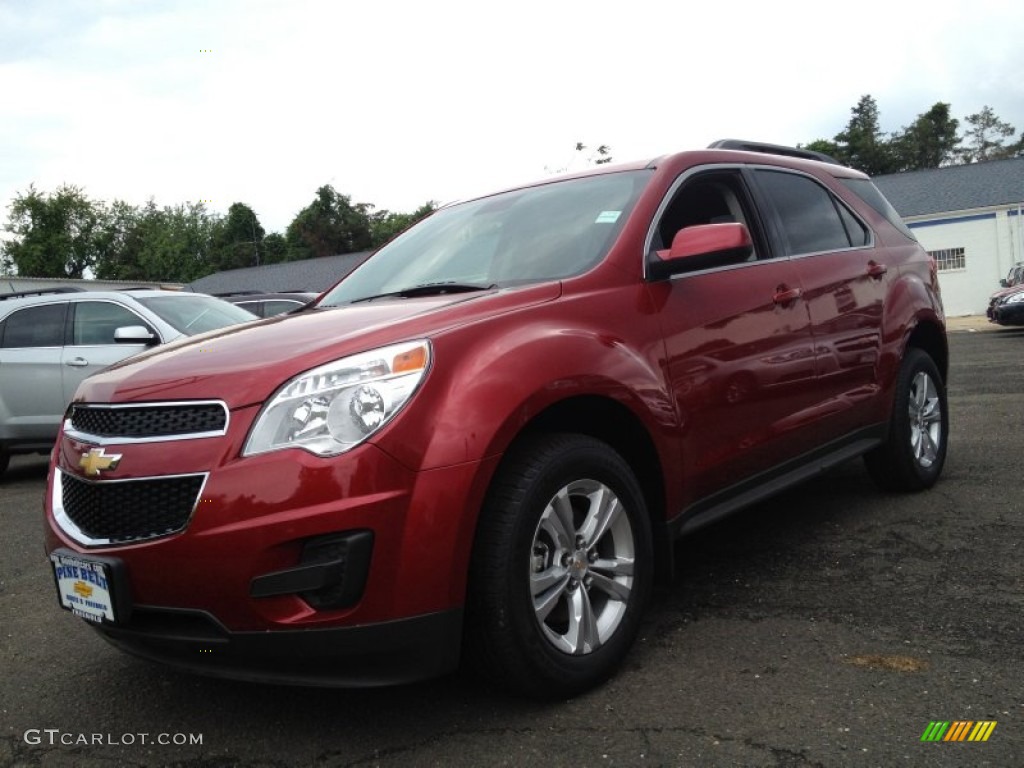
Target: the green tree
pixel 599 156
pixel 930 141
pixel 986 138
pixel 824 146
pixel 385 225
pixel 329 225
pixel 56 235
pixel 181 247
pixel 862 144
pixel 585 157
pixel 275 248
pixel 124 231
pixel 238 239
pixel 169 244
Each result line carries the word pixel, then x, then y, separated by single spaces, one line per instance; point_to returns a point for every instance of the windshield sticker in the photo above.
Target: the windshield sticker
pixel 608 217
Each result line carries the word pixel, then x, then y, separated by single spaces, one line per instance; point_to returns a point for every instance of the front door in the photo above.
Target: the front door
pixel 738 345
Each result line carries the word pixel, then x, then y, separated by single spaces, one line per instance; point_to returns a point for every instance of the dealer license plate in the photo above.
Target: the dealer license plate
pixel 84 587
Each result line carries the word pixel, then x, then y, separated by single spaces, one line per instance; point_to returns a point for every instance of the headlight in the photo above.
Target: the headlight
pixel 333 408
pixel 1017 298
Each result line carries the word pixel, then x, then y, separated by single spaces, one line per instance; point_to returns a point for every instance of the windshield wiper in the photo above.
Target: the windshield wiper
pixel 428 289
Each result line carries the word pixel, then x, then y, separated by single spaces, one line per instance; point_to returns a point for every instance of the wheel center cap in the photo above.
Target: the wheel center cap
pixel 579 563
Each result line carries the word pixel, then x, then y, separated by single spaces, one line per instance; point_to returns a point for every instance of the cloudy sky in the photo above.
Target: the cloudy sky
pixel 396 103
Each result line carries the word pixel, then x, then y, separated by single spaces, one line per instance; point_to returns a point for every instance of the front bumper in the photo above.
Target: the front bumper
pixel 388 653
pixel 237 592
pixel 1008 314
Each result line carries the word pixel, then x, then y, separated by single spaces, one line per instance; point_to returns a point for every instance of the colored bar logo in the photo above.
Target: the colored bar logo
pixel 958 730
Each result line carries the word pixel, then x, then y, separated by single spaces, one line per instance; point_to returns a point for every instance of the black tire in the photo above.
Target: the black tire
pixel 525 584
pixel 5 460
pixel 912 456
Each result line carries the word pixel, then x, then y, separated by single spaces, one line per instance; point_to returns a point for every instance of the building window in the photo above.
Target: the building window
pixel 949 258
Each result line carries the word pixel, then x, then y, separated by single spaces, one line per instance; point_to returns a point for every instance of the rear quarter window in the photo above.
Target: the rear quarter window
pixel 870 194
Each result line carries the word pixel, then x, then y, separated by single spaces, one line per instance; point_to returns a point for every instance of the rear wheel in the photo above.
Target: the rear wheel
pixel 561 570
pixel 912 457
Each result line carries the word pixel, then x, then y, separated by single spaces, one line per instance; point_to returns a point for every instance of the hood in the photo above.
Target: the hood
pixel 1003 292
pixel 1007 293
pixel 244 364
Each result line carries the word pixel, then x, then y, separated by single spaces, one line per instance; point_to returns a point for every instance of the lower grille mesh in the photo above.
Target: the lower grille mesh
pixel 130 510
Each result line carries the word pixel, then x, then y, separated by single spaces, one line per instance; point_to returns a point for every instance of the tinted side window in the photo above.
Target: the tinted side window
pixel 870 194
pixel 808 214
pixel 96 321
pixel 277 306
pixel 856 231
pixel 41 326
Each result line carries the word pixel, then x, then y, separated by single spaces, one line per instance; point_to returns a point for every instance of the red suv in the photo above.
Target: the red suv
pixel 482 443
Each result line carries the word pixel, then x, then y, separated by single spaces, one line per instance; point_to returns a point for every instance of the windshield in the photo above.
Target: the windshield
pixel 196 314
pixel 546 232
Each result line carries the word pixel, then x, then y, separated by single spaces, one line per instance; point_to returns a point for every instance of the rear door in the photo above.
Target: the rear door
pixel 845 280
pixel 31 398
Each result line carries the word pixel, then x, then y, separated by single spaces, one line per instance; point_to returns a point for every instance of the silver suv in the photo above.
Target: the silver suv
pixel 51 340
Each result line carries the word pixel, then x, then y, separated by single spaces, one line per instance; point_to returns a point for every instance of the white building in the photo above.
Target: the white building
pixel 971 219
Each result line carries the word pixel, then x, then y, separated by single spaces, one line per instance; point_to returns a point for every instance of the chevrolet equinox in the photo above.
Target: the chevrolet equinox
pixel 480 445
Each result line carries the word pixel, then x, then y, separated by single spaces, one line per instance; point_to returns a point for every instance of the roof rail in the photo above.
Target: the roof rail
pixel 41 292
pixel 772 149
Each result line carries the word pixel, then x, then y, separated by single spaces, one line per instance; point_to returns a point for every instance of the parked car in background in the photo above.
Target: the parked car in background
pixel 269 304
pixel 481 443
pixel 1008 309
pixel 51 340
pixel 1013 279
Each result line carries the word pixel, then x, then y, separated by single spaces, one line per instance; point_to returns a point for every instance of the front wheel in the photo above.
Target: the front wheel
pixel 561 569
pixel 912 456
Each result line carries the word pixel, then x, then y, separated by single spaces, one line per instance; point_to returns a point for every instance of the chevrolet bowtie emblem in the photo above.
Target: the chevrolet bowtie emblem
pixel 95 461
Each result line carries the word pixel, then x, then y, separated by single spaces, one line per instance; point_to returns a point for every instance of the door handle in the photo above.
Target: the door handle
pixel 876 270
pixel 77 362
pixel 786 295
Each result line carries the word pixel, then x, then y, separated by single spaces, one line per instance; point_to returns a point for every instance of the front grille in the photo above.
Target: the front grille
pixel 149 421
pixel 129 510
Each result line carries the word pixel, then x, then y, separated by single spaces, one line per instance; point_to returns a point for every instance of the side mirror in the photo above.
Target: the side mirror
pixel 135 334
pixel 1003 283
pixel 702 247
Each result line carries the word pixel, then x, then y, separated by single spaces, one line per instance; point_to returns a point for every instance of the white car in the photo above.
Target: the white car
pixel 51 340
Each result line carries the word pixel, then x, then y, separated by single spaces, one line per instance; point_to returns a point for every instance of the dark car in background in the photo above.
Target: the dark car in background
pixel 1009 284
pixel 1008 309
pixel 269 304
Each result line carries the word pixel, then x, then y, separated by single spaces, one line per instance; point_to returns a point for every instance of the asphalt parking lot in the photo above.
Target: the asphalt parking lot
pixel 827 627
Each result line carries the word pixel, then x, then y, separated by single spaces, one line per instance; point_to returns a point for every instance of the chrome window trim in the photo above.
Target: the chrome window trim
pixel 67 525
pixel 116 440
pixel 725 268
pixel 685 176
